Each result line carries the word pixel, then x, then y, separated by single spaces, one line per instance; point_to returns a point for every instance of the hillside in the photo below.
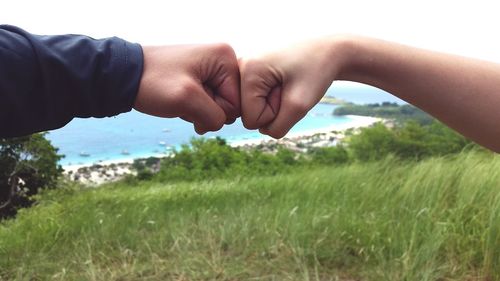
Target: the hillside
pixel 400 113
pixel 437 219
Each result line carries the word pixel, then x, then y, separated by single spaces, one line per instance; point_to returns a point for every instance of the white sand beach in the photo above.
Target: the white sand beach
pixel 357 122
pixel 110 170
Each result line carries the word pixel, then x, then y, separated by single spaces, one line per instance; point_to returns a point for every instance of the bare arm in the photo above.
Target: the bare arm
pixel 463 93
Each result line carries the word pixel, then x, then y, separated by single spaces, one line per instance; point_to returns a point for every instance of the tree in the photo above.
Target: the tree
pixel 27 164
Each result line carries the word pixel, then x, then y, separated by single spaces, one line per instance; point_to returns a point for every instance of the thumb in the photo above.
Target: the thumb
pixel 202 110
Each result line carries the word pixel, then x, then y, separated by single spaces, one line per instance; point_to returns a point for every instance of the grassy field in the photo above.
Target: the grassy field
pixel 437 219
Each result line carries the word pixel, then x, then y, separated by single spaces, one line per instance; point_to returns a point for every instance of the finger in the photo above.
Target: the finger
pixel 223 80
pixel 204 112
pixel 221 103
pixel 293 108
pixel 230 121
pixel 232 112
pixel 260 94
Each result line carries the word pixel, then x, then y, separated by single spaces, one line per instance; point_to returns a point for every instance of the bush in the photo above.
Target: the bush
pixel 145 175
pixel 202 159
pixel 410 141
pixel 286 156
pixel 209 159
pixel 329 155
pixel 372 143
pixel 27 164
pixel 206 159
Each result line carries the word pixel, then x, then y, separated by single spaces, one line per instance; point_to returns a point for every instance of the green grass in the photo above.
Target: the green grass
pixel 438 219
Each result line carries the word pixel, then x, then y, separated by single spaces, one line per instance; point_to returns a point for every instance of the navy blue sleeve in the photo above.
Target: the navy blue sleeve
pixel 45 81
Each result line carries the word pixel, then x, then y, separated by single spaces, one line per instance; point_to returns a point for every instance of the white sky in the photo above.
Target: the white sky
pixel 470 28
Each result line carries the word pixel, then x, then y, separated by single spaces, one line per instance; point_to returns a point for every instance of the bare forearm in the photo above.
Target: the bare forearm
pixel 461 92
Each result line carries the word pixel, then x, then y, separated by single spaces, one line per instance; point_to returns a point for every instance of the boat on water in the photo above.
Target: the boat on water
pixel 125 152
pixel 166 130
pixel 162 143
pixel 84 154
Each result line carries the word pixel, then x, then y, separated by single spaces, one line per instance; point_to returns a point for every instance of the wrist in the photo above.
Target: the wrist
pixel 364 60
pixel 144 96
pixel 345 51
pixel 358 62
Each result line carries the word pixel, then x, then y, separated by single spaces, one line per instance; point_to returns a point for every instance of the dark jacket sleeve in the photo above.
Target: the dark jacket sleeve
pixel 45 81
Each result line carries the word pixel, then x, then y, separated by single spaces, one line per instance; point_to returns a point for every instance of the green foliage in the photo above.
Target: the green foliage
pixel 372 143
pixel 213 158
pixel 436 219
pixel 287 157
pixel 401 113
pixel 27 164
pixel 411 141
pixel 329 155
pixel 145 175
pixel 143 164
pixel 202 159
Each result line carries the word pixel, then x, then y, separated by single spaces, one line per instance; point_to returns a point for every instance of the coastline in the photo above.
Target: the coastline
pixel 124 160
pixel 357 122
pixel 108 170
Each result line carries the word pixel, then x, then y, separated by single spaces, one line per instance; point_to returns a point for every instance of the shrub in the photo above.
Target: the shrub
pixel 329 155
pixel 410 141
pixel 372 143
pixel 209 159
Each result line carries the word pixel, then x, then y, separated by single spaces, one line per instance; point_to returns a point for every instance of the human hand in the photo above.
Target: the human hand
pixel 278 89
pixel 198 83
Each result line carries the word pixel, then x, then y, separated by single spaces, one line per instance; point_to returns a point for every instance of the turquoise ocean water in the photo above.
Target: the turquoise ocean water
pixel 136 135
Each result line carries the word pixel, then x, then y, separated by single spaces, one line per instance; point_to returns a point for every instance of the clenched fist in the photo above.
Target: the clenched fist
pixel 278 89
pixel 198 83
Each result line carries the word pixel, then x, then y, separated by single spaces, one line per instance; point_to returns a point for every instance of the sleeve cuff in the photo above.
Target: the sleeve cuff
pixel 128 64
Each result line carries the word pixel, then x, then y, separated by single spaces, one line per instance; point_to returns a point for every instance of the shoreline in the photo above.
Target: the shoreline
pixel 108 170
pixel 125 160
pixel 357 121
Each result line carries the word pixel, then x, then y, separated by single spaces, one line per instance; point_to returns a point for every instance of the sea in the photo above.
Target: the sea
pixel 86 141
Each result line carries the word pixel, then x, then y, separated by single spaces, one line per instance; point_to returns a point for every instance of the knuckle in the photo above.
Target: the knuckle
pixel 251 79
pixel 250 66
pixel 215 126
pixel 185 92
pixel 230 121
pixel 211 124
pixel 249 124
pixel 276 134
pixel 250 121
pixel 199 131
pixel 258 75
pixel 187 88
pixel 297 106
pixel 223 49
